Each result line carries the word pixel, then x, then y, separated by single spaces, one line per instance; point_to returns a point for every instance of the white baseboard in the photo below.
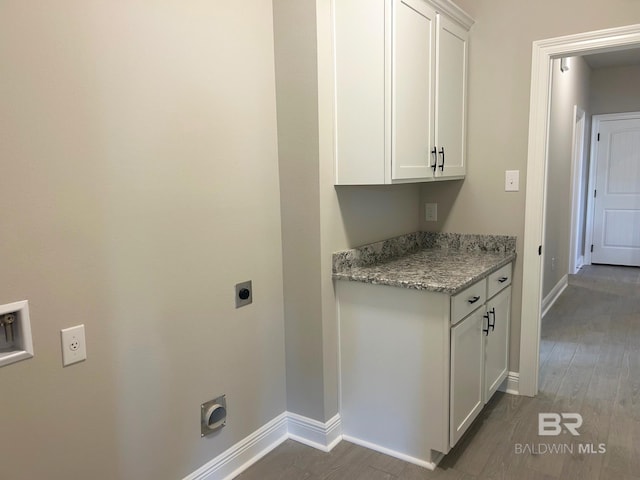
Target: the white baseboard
pixel 416 461
pixel 245 453
pixel 553 295
pixel 233 461
pixel 323 436
pixel 510 384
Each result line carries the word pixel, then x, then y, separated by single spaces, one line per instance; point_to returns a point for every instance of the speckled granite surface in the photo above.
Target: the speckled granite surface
pixel 438 262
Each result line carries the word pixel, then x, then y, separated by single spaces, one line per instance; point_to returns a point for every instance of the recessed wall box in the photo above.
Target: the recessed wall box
pixel 15 333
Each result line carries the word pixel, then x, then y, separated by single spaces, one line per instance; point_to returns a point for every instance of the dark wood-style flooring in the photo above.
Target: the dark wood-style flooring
pixel 589 364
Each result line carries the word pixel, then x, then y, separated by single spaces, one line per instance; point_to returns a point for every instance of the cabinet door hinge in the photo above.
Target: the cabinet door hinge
pixel 598 137
pixel 595 193
pixel 540 250
pixel 591 248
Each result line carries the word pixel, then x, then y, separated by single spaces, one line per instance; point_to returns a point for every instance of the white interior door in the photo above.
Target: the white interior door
pixel 616 222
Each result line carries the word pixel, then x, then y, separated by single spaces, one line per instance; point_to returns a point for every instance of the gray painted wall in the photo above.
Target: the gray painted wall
pixel 568 88
pixel 139 184
pixel 297 100
pixel 141 181
pixel 615 90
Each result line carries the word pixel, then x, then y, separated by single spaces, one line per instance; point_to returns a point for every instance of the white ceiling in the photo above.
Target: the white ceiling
pixel 620 58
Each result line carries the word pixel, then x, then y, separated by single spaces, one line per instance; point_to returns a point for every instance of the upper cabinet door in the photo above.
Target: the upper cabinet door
pixel 451 99
pixel 413 82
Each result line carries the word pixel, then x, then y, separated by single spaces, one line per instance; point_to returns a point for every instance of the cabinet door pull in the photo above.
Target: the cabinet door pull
pixel 442 164
pixel 490 325
pixel 503 279
pixel 434 152
pixel 486 331
pixel 474 299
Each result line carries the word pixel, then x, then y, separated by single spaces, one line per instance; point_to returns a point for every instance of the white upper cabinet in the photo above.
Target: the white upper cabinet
pixel 400 87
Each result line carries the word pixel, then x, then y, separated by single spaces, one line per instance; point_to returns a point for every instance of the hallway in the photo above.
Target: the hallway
pixel 589 364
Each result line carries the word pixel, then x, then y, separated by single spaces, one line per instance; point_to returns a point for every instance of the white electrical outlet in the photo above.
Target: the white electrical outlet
pixel 74 348
pixel 431 212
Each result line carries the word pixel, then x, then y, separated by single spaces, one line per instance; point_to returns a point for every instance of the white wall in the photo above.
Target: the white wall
pixel 568 88
pixel 139 184
pixel 615 90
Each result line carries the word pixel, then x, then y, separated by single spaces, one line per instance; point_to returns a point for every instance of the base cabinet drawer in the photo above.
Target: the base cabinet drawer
pixel 465 302
pixel 498 280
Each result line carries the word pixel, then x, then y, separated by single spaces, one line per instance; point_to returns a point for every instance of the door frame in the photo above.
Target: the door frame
pixel 543 54
pixel 578 187
pixel 588 239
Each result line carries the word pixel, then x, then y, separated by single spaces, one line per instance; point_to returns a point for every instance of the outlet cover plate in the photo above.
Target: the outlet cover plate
pixel 431 212
pixel 74 347
pixel 244 294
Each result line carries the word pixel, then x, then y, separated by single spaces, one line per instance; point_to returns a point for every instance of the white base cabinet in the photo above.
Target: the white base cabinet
pixel 394 377
pixel 479 360
pixel 413 376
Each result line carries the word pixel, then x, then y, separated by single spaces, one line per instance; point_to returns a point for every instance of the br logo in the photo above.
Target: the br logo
pixel 550 424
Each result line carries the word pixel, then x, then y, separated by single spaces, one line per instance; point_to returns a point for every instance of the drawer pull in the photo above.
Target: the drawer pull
pixel 474 299
pixel 503 279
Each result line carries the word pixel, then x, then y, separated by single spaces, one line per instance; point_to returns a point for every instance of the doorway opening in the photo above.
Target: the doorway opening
pixel 544 52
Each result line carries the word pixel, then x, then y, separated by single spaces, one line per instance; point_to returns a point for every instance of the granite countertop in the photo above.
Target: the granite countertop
pixel 436 262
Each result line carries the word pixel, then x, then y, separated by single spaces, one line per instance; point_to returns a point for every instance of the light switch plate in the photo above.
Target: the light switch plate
pixel 512 180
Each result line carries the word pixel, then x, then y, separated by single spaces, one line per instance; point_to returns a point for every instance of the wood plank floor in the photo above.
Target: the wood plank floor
pixel 589 364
